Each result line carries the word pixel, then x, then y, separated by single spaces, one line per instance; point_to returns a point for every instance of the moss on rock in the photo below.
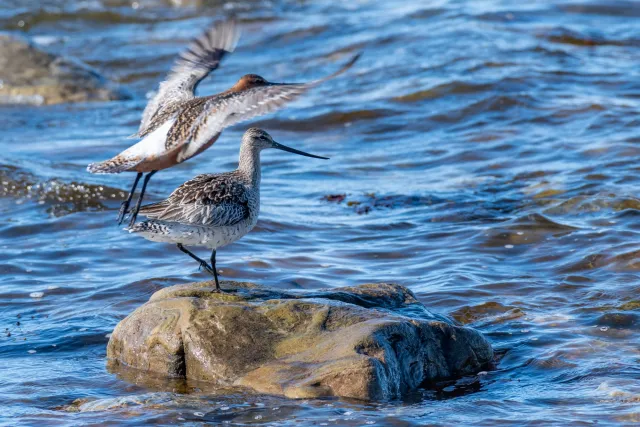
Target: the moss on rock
pixel 374 341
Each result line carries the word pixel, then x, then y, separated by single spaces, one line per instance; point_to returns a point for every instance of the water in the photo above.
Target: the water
pixel 483 153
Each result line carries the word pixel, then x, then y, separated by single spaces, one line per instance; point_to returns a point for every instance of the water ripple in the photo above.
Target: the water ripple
pixel 482 153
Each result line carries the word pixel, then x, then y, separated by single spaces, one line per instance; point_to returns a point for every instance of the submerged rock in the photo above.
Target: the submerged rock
pixel 369 202
pixel 619 320
pixel 372 341
pixel 32 76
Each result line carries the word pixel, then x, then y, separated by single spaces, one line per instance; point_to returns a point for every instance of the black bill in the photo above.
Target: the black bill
pixel 293 150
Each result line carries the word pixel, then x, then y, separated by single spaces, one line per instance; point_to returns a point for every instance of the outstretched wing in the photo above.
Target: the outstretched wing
pixel 235 107
pixel 200 58
pixel 215 200
pixel 226 110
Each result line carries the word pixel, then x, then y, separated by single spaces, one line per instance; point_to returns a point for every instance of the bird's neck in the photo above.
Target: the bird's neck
pixel 249 164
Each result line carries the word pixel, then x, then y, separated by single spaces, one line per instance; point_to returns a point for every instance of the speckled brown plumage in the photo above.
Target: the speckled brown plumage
pixel 208 199
pixel 188 115
pixel 213 210
pixel 168 112
pixel 202 56
pixel 116 164
pixel 177 125
pixel 250 97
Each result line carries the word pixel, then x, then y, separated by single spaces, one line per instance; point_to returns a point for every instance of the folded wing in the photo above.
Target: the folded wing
pixel 210 200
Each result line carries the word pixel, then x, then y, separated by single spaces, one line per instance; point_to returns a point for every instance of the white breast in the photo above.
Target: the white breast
pixel 153 144
pixel 196 235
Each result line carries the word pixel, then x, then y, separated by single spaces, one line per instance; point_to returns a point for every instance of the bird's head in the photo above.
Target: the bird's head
pixel 249 81
pixel 260 139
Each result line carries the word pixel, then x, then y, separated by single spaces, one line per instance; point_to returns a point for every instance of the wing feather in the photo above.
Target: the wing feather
pixel 214 200
pixel 245 105
pixel 199 59
pixel 239 107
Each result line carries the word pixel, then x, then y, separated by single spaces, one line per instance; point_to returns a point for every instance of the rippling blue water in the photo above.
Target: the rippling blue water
pixel 487 152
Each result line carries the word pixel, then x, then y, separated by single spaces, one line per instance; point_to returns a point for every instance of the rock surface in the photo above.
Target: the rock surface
pixel 30 75
pixel 368 342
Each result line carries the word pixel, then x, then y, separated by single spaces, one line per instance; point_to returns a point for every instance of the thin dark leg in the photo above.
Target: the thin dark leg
pixel 215 270
pixel 134 214
pixel 202 262
pixel 124 207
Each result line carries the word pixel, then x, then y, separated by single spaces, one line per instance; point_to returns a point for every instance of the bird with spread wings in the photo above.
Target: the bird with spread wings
pixel 178 125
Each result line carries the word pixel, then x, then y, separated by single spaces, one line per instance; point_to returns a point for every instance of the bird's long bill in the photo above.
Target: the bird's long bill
pixel 293 150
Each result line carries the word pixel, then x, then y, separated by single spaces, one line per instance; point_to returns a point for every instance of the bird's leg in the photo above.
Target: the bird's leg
pixel 202 262
pixel 124 207
pixel 215 270
pixel 134 214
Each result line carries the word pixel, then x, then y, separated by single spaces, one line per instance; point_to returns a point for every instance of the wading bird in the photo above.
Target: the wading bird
pixel 176 125
pixel 212 210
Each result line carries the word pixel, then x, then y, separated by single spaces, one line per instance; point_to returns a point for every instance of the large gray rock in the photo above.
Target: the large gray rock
pixel 30 75
pixel 372 341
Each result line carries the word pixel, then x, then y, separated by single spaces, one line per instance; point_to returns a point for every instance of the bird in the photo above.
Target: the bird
pixel 177 125
pixel 212 210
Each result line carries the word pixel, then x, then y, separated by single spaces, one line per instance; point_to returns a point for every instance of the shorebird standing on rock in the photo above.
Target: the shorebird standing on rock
pixel 176 125
pixel 213 210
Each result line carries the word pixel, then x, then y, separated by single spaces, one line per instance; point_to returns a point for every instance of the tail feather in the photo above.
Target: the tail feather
pixel 116 165
pixel 149 227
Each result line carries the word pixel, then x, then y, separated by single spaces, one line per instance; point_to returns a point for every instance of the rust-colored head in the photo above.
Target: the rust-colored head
pixel 249 81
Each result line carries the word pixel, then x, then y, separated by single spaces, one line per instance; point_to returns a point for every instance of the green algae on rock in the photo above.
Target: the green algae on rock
pixel 370 342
